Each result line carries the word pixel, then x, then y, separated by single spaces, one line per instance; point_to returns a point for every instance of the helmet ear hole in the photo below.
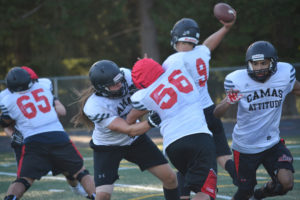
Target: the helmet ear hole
pixel 18 80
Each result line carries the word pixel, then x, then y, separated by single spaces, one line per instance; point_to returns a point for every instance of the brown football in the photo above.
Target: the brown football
pixel 224 12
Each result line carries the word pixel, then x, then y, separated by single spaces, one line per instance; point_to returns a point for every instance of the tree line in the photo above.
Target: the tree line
pixel 63 37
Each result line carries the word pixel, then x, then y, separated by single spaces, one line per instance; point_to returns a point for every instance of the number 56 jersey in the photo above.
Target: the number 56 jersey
pixel 175 98
pixel 32 110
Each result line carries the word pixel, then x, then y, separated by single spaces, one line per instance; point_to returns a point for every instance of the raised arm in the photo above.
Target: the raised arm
pixel 214 39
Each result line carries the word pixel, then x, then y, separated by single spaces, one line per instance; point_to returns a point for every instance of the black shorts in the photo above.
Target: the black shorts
pixel 142 152
pixel 195 157
pixel 273 159
pixel 216 127
pixel 38 159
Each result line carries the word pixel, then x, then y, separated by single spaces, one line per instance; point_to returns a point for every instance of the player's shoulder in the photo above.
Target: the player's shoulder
pixel 285 72
pixel 235 78
pixel 284 67
pixel 44 82
pixel 173 60
pixel 94 104
pixel 137 99
pixel 4 93
pixel 202 48
pixel 237 74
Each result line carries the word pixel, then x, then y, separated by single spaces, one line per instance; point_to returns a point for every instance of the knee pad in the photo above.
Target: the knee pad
pixel 10 197
pixel 24 182
pixel 82 174
pixel 243 194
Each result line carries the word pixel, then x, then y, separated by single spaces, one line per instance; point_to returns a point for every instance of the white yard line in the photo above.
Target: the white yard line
pixel 118 185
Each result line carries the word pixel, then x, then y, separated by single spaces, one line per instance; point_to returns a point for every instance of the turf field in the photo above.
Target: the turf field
pixel 133 184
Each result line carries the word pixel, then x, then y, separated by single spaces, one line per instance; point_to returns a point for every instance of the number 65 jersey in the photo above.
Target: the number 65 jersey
pixel 175 98
pixel 32 110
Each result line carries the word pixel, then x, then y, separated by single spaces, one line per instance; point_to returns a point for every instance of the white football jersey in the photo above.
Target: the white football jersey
pixel 175 98
pixel 196 63
pixel 259 110
pixel 32 110
pixel 102 111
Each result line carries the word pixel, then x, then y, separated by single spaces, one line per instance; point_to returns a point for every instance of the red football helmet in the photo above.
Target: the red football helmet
pixel 145 72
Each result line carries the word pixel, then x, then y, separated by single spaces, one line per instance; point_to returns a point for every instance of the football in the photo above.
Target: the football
pixel 224 12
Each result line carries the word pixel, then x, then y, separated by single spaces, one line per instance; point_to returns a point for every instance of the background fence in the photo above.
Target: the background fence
pixel 66 88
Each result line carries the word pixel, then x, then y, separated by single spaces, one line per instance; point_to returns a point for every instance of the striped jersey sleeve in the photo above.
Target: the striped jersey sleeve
pixel 137 100
pixel 228 84
pixel 292 74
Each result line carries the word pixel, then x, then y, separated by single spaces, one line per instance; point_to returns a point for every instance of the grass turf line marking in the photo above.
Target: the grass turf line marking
pixel 118 185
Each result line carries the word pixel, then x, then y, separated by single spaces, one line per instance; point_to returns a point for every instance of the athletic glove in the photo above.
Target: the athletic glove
pixel 233 96
pixel 153 119
pixel 17 138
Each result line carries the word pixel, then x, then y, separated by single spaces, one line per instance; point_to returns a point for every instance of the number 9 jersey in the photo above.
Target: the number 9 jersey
pixel 32 110
pixel 196 63
pixel 175 98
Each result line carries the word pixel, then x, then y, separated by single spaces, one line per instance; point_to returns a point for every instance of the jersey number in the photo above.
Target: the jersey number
pixel 179 81
pixel 201 69
pixel 29 110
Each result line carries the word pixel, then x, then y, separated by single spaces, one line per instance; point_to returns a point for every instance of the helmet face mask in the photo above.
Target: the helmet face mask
pixel 258 51
pixel 185 30
pixel 18 80
pixel 104 74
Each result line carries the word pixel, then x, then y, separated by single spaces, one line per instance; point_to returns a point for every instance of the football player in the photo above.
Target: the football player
pixel 26 102
pixel 104 106
pixel 184 39
pixel 187 140
pixel 17 139
pixel 260 91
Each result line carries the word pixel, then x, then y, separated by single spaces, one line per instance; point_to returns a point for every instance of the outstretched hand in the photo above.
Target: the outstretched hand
pixel 233 96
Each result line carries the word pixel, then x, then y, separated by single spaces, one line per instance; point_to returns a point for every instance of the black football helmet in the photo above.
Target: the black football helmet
pixel 185 30
pixel 18 79
pixel 261 50
pixel 105 73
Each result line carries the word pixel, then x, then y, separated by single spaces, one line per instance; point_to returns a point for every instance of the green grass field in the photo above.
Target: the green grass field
pixel 133 184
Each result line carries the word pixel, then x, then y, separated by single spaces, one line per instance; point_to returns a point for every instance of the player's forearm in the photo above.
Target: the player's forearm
pixel 221 108
pixel 138 128
pixel 60 108
pixel 133 115
pixel 214 40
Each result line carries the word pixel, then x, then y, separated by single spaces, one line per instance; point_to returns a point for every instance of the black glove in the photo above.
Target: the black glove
pixel 17 138
pixel 153 119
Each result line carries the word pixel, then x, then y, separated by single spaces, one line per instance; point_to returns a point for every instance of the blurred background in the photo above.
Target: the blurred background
pixel 61 39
